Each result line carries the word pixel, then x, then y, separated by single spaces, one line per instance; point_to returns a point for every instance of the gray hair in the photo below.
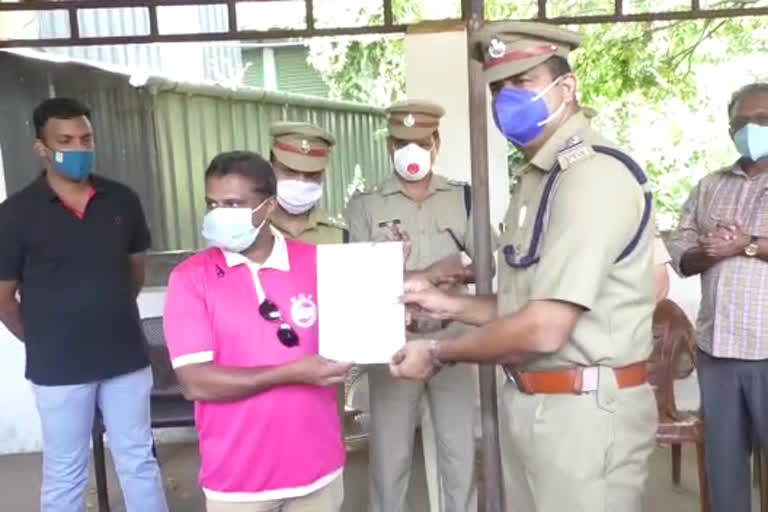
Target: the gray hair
pixel 745 91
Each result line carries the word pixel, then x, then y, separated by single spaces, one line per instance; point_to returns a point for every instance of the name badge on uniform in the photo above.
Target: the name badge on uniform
pixel 574 151
pixel 522 215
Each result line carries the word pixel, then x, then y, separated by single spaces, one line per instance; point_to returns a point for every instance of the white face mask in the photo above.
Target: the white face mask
pixel 298 196
pixel 231 229
pixel 412 162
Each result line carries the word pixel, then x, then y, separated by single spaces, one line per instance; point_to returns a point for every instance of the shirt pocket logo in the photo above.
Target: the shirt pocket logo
pixel 303 311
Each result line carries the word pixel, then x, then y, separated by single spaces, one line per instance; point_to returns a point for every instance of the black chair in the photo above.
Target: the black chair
pixel 168 406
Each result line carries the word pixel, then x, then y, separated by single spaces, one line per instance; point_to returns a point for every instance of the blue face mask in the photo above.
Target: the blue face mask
pixel 752 141
pixel 76 165
pixel 521 114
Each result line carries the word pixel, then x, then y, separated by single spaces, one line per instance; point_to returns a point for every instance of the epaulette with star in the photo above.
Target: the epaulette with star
pixel 575 150
pixel 366 191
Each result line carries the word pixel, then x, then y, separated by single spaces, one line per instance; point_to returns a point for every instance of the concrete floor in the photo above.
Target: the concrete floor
pixel 20 477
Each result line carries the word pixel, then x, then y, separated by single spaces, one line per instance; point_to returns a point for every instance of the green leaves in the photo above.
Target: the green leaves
pixel 651 82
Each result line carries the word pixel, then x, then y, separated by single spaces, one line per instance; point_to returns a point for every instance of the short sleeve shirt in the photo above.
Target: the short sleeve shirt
pixel 594 210
pixel 438 226
pixel 81 321
pixel 284 442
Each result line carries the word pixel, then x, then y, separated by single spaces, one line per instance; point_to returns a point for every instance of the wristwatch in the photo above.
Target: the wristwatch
pixel 751 248
pixel 434 351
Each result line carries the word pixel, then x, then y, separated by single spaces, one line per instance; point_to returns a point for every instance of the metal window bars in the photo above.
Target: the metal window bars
pixel 389 25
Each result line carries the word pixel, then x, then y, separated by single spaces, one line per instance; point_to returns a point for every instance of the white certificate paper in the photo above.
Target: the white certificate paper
pixel 358 288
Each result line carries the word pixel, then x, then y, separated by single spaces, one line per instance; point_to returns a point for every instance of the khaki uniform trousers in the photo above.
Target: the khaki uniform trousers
pixel 580 453
pixel 395 414
pixel 326 499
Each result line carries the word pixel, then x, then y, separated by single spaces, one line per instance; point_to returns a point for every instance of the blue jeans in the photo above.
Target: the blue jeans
pixel 66 414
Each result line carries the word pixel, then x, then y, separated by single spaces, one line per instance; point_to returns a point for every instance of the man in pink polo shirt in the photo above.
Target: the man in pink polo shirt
pixel 241 327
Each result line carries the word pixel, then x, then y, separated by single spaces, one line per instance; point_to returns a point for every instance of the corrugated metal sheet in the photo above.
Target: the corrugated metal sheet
pixel 194 123
pixel 218 60
pixel 158 139
pixel 295 75
pixel 254 74
pixel 121 117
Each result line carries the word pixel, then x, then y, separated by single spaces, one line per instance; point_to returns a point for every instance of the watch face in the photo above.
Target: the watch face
pixel 751 250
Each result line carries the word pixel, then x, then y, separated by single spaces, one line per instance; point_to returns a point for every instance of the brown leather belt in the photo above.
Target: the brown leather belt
pixel 576 380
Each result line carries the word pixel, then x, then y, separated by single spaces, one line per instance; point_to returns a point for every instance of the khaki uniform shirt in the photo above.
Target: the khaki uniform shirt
pixel 430 224
pixel 321 228
pixel 595 209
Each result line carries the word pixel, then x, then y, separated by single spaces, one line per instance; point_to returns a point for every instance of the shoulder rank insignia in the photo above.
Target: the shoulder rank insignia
pixel 366 191
pixel 335 222
pixel 456 183
pixel 575 150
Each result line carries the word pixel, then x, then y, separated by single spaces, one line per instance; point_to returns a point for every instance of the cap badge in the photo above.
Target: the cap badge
pixel 305 147
pixel 409 121
pixel 497 49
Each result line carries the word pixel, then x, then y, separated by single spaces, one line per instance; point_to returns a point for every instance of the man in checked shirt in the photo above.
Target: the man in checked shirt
pixel 723 237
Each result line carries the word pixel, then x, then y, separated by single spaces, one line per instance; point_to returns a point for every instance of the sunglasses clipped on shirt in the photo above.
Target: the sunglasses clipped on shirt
pixel 285 333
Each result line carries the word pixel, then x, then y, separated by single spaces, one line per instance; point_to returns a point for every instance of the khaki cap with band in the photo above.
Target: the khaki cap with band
pixel 511 48
pixel 301 147
pixel 414 119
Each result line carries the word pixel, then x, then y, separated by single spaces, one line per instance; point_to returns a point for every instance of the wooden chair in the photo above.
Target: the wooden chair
pixel 168 406
pixel 674 338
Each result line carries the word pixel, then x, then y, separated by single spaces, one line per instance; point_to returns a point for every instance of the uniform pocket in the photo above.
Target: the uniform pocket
pixel 381 230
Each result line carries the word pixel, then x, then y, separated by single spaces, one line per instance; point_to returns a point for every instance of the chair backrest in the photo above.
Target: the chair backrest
pixel 162 371
pixel 674 342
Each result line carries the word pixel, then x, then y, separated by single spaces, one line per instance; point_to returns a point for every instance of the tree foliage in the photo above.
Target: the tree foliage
pixel 637 75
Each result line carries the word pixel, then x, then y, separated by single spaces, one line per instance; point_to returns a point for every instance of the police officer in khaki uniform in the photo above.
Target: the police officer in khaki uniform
pixel 433 214
pixel 661 255
pixel 300 153
pixel 572 318
pixel 299 156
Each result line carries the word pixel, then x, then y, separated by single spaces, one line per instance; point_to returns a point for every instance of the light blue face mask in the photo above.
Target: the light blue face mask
pixel 752 141
pixel 232 229
pixel 76 165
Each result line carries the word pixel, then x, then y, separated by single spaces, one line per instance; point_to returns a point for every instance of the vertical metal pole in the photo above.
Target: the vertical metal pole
pixel 491 490
pixel 153 26
pixel 232 17
pixel 309 9
pixel 74 24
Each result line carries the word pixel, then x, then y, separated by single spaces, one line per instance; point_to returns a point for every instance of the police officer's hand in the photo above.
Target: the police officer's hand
pixel 449 270
pixel 413 361
pixel 319 371
pixel 423 297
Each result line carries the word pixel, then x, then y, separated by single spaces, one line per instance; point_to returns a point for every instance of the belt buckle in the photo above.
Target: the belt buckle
pixel 590 379
pixel 514 377
pixel 510 375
